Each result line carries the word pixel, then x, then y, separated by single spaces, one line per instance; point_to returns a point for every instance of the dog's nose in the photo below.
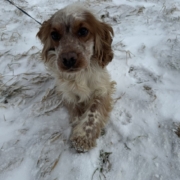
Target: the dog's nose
pixel 69 59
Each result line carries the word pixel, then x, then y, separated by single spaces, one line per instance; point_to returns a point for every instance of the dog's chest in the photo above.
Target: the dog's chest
pixel 75 91
pixel 84 86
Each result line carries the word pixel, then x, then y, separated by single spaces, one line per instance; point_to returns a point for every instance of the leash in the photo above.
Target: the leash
pixel 23 11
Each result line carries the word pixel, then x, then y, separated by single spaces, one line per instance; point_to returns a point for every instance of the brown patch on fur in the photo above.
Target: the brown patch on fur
pixel 44 36
pixel 44 31
pixel 103 106
pixel 82 24
pixel 102 33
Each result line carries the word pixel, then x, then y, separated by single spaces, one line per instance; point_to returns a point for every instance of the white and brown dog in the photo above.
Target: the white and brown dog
pixel 77 49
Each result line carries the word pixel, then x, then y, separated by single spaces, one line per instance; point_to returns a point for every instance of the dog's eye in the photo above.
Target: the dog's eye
pixel 55 36
pixel 83 32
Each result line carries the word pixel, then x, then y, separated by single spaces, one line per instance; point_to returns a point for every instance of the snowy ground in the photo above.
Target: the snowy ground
pixel 139 143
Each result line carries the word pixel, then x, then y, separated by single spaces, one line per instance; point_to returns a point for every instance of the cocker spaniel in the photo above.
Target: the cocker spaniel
pixel 77 49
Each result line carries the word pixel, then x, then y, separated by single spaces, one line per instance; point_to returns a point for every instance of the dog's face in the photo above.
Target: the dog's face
pixel 75 38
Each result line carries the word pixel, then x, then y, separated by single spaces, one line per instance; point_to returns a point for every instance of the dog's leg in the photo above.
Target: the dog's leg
pixel 87 127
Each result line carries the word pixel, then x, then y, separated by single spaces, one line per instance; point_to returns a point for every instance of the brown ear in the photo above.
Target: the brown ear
pixel 44 31
pixel 103 40
pixel 43 35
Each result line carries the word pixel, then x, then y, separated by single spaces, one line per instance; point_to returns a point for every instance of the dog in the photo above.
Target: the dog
pixel 76 50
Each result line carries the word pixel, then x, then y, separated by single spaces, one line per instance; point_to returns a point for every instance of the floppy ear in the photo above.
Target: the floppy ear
pixel 44 31
pixel 103 40
pixel 44 36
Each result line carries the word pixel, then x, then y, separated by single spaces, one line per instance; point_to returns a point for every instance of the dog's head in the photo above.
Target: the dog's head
pixel 75 37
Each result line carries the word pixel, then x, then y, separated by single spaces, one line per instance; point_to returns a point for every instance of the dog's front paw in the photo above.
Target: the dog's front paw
pixel 84 138
pixel 82 143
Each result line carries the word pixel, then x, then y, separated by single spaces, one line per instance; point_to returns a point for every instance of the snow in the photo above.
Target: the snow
pixel 139 141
